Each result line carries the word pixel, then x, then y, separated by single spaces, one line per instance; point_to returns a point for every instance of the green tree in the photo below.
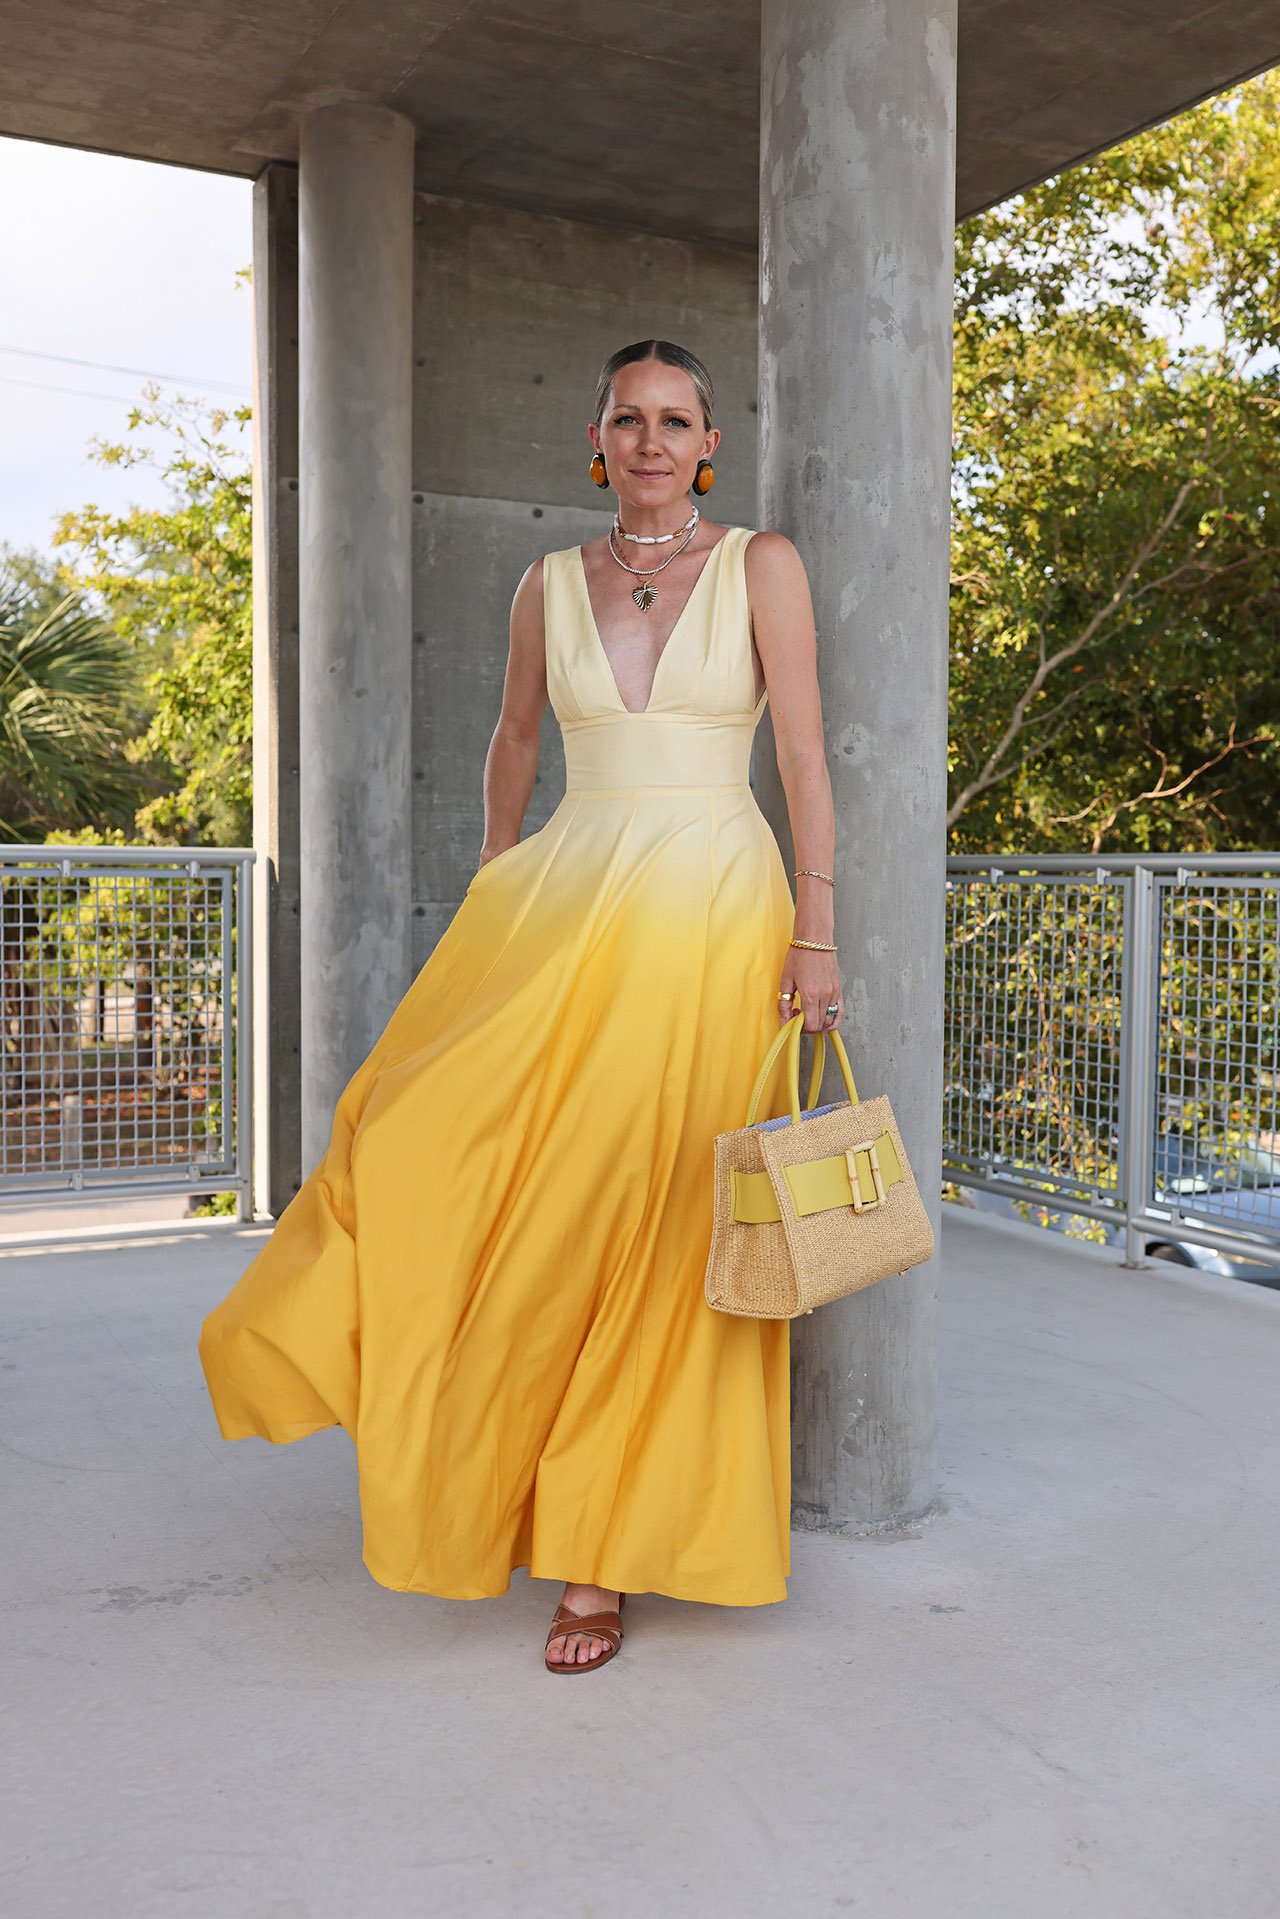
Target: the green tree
pixel 63 684
pixel 176 581
pixel 1116 522
pixel 44 581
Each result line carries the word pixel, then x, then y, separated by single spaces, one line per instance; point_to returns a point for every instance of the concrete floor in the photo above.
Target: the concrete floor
pixel 89 1215
pixel 1056 1697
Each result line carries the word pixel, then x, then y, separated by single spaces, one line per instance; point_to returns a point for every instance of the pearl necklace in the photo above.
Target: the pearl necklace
pixel 655 539
pixel 645 595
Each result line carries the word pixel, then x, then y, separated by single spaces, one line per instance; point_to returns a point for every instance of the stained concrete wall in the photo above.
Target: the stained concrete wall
pixel 514 314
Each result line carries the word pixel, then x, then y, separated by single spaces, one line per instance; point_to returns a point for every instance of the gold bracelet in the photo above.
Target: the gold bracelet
pixel 814 874
pixel 818 946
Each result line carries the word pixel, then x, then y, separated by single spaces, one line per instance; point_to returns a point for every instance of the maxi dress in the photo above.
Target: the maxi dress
pixel 493 1279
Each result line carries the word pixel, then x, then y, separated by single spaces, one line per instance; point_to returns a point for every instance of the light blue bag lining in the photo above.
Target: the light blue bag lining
pixel 784 1119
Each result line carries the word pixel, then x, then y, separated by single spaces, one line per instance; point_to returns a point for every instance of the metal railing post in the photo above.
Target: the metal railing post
pixel 1137 1056
pixel 244 1039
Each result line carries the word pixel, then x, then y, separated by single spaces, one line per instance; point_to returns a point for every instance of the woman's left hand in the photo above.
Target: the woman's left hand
pixel 818 978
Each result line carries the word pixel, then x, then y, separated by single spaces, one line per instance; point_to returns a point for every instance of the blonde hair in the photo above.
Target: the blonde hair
pixel 670 355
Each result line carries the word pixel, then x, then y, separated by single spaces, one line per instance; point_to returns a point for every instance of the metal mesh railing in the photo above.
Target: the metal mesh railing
pixel 124 985
pixel 1032 1080
pixel 1113 1041
pixel 1217 1047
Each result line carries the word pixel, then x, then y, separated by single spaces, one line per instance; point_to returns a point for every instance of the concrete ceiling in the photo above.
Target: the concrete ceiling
pixel 636 112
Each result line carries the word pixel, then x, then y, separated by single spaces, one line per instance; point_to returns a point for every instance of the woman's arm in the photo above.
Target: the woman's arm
pixel 782 626
pixel 511 763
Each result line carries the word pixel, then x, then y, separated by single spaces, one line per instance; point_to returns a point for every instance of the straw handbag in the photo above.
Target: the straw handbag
pixel 811 1206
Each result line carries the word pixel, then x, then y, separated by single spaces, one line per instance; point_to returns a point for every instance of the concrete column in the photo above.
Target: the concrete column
pixel 856 234
pixel 277 1043
pixel 355 215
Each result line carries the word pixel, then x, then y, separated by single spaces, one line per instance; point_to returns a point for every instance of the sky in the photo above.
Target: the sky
pixel 126 265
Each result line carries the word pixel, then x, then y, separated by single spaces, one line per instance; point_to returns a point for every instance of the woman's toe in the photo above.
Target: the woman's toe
pixel 576 1649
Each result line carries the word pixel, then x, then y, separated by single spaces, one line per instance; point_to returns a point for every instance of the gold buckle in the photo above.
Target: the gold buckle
pixel 861 1205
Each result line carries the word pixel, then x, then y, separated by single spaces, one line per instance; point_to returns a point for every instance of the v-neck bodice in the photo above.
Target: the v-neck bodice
pixel 710 559
pixel 704 670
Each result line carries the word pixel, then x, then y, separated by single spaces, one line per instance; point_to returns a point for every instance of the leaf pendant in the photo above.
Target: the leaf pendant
pixel 644 596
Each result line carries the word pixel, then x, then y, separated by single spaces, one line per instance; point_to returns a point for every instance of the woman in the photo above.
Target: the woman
pixel 494 1278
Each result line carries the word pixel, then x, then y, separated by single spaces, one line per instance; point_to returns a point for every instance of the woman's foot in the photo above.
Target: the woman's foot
pixel 580 1648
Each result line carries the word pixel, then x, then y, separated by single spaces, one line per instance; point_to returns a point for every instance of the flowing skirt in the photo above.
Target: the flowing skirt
pixel 494 1277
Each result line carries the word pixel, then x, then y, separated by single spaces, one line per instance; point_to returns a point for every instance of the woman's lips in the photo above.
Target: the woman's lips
pixel 649 473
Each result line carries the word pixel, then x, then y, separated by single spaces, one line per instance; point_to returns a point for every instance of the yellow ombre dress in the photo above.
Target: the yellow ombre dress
pixel 494 1277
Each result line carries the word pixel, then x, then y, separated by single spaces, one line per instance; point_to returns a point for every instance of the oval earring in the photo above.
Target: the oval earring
pixel 705 477
pixel 598 471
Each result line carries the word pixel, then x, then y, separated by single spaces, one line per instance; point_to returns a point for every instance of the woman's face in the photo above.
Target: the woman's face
pixel 652 435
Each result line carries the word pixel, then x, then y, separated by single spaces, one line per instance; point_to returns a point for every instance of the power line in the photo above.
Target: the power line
pixel 80 392
pixel 140 372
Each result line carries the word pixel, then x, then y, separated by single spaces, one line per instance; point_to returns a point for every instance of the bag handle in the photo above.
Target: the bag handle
pixel 788 1036
pixel 766 1065
pixel 791 1038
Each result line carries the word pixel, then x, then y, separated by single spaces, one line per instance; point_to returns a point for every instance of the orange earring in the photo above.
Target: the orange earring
pixel 598 471
pixel 705 477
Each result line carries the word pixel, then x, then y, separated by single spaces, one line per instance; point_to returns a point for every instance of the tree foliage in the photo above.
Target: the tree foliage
pixel 63 709
pixel 1116 520
pixel 176 581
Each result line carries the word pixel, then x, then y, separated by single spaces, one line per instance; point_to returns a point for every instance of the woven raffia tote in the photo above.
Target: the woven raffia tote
pixel 814 1205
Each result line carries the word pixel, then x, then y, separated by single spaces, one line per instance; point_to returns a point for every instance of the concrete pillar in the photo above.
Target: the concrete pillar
pixel 355 220
pixel 856 235
pixel 276 960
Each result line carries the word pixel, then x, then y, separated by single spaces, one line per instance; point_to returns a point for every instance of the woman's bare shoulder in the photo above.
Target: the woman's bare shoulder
pixel 527 599
pixel 772 559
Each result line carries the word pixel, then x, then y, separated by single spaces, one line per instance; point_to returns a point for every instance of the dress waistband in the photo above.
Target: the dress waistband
pixel 640 749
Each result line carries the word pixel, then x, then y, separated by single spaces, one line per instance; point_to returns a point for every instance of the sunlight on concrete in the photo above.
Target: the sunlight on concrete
pixel 1055 1697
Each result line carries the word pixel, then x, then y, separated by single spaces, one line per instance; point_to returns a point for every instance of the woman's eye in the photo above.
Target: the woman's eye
pixel 627 419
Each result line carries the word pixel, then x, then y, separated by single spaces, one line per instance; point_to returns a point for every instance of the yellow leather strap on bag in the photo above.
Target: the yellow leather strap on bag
pixel 817 1184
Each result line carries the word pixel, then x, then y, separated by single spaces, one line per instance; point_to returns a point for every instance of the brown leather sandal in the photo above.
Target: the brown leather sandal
pixel 603 1625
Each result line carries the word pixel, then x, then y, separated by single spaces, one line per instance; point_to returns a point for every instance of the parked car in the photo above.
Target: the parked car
pixel 1209 1185
pixel 1206 1185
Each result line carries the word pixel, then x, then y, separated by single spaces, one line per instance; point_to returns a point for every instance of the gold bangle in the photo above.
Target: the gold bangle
pixel 813 873
pixel 818 946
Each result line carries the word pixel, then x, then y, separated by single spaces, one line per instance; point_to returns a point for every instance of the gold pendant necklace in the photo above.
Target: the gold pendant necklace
pixel 645 594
